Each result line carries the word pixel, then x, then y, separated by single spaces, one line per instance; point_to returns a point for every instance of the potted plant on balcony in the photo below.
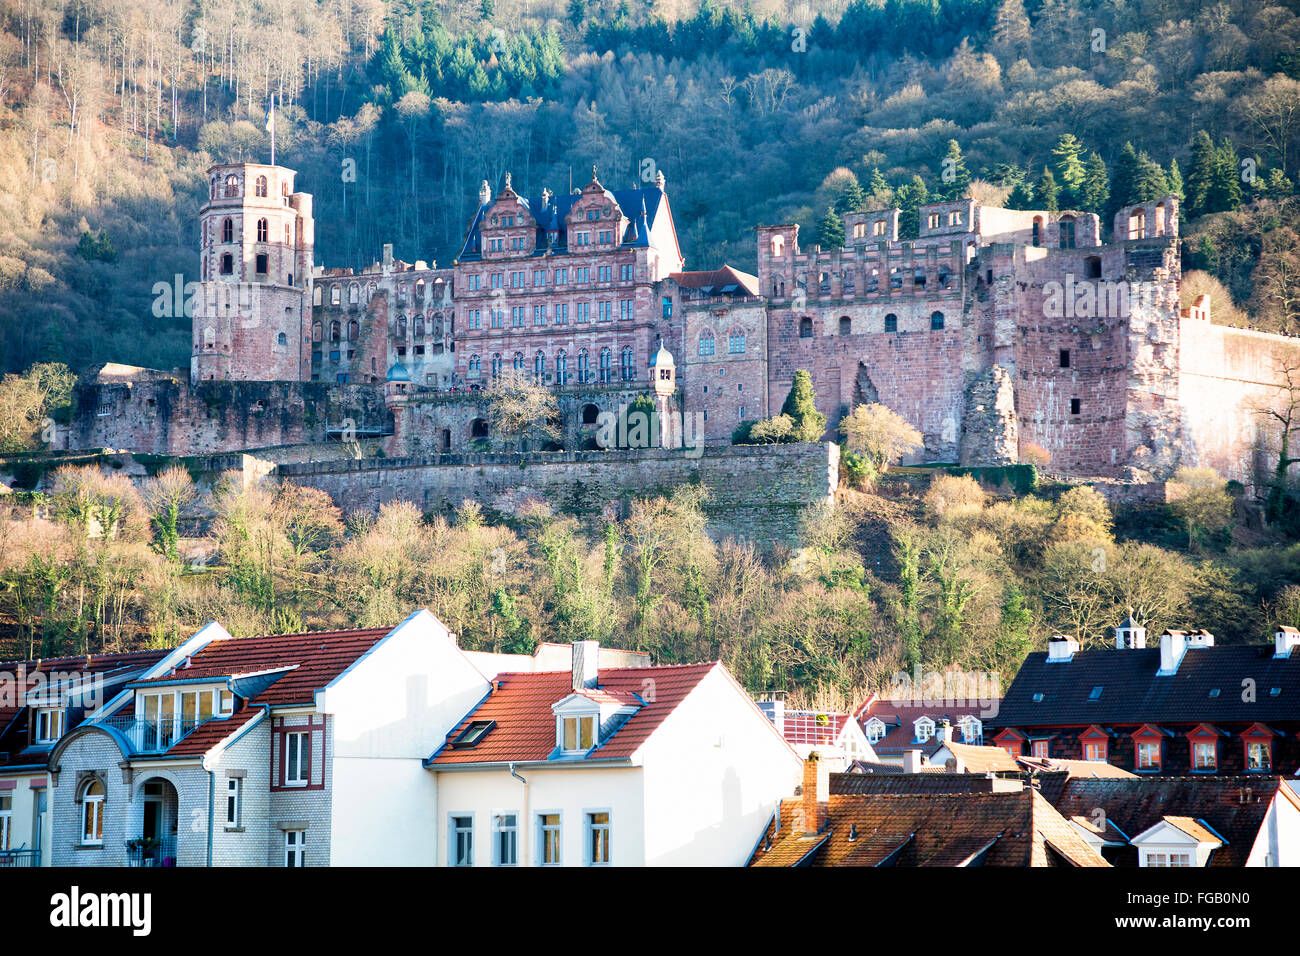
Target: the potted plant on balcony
pixel 142 850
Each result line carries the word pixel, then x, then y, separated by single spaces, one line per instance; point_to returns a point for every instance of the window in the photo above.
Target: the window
pixel 6 820
pixel 262 262
pixel 1040 749
pixel 736 341
pixel 629 365
pixel 875 730
pixel 49 725
pixel 891 323
pixel 227 264
pixel 1169 859
pixel 625 310
pixel 597 839
pixel 260 188
pixel 1092 267
pixel 924 729
pixel 297 759
pixel 954 218
pixel 1258 755
pixel 584 366
pixel 92 814
pixel 1065 358
pixel 1066 227
pixel 281 339
pixel 805 328
pixel 605 311
pixel 972 730
pixel 933 220
pixel 561 368
pixel 460 847
pixel 227 231
pixel 707 343
pixel 936 321
pixel 295 847
pixel 1075 406
pixel 505 839
pixel 233 787
pixel 846 325
pixel 232 186
pixel 1205 755
pixel 1037 238
pixel 1148 755
pixel 1093 750
pixel 578 733
pixel 548 839
pixel 539 366
pixel 582 312
pixel 606 372
pixel 262 230
pixel 667 307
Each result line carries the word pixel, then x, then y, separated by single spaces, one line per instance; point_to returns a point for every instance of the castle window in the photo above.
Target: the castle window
pixel 805 328
pixel 335 332
pixel 475 366
pixel 584 367
pixel 895 278
pixel 934 220
pixel 281 339
pixel 590 413
pixel 1037 238
pixel 945 277
pixel 629 365
pixel 667 307
pixel 707 343
pixel 936 321
pixel 878 227
pixel 227 264
pixel 954 218
pixel 315 295
pixel 736 341
pixel 354 331
pixel 846 325
pixel 496 365
pixel 401 326
pixel 561 367
pixel 228 231
pixel 918 279
pixel 232 186
pixel 419 326
pixel 778 246
pixel 1066 229
pixel 519 362
pixel 1065 358
pixel 1160 219
pixel 446 439
pixel 1137 225
pixel 262 230
pixel 315 332
pixel 478 428
pixel 1075 406
pixel 261 186
pixel 1092 267
pixel 859 230
pixel 891 323
pixel 263 263
pixel 606 358
pixel 334 295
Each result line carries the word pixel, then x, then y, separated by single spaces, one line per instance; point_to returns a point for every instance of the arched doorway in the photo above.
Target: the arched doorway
pixel 155 842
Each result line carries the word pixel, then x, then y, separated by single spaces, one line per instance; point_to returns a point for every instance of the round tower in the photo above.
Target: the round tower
pixel 663 373
pixel 397 399
pixel 252 316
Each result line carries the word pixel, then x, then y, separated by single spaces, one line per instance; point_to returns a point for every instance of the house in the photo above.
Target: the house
pixel 894 728
pixel 40 701
pixel 838 737
pixel 918 820
pixel 1164 821
pixel 291 749
pixel 598 766
pixel 1184 707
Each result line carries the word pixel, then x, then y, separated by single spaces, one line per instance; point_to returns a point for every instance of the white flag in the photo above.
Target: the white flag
pixel 270 116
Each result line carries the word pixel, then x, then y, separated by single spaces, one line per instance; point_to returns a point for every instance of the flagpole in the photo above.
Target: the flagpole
pixel 270 125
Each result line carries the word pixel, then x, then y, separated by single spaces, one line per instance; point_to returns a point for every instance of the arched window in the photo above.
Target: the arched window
pixel 584 367
pixel 335 332
pixel 474 365
pixel 496 364
pixel 805 328
pixel 846 325
pixel 281 339
pixel 778 246
pixel 707 344
pixel 891 322
pixel 401 326
pixel 419 289
pixel 561 368
pixel 261 186
pixel 1065 228
pixel 606 370
pixel 590 413
pixel 736 341
pixel 419 326
pixel 227 264
pixel 519 362
pixel 354 293
pixel 539 366
pixel 629 365
pixel 1037 238
pixel 936 321
pixel 262 230
pixel 232 186
pixel 228 230
pixel 92 813
pixel 354 331
pixel 315 332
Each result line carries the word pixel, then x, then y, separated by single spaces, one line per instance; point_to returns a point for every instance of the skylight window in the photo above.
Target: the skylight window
pixel 1214 692
pixel 1096 693
pixel 1275 692
pixel 471 735
pixel 1038 698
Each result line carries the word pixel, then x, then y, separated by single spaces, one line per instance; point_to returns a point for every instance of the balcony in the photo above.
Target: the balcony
pixel 20 858
pixel 151 851
pixel 152 737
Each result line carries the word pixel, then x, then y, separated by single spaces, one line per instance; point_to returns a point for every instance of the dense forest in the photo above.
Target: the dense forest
pixel 394 112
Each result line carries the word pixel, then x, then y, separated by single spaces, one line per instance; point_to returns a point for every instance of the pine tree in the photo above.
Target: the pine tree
pixel 1175 179
pixel 830 230
pixel 1022 196
pixel 1096 185
pixel 1123 185
pixel 1200 173
pixel 955 175
pixel 1224 190
pixel 1011 31
pixel 909 199
pixel 1047 191
pixel 851 199
pixel 801 406
pixel 1069 170
pixel 1151 183
pixel 879 185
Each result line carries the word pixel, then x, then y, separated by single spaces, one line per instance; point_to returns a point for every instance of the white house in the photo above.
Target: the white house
pixel 621 766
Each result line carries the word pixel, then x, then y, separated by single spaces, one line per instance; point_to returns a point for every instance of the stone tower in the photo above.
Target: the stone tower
pixel 252 315
pixel 663 372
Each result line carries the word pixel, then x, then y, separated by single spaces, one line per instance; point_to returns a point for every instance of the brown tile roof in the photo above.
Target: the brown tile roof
pixel 1074 768
pixel 1194 829
pixel 979 759
pixel 718 279
pixel 955 829
pixel 525 725
pixel 844 783
pixel 210 733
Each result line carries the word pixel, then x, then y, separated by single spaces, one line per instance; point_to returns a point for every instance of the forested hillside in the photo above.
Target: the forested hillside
pixel 393 112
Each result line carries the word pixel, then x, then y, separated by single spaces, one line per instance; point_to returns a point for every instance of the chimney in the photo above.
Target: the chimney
pixel 586 655
pixel 1284 639
pixel 1173 645
pixel 816 780
pixel 1060 648
pixel 777 714
pixel 388 257
pixel 943 731
pixel 912 761
pixel 1201 638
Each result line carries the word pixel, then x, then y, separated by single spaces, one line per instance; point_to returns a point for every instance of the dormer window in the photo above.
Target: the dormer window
pixel 577 734
pixel 49 725
pixel 972 731
pixel 875 730
pixel 924 729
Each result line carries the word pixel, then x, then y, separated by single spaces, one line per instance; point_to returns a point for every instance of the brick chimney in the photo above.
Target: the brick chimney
pixel 586 655
pixel 816 781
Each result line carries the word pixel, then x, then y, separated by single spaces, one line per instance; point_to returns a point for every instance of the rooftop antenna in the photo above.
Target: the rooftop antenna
pixel 270 126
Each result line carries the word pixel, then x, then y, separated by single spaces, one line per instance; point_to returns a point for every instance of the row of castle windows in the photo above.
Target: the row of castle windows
pixel 735 342
pixel 605 371
pixel 846 324
pixel 566 275
pixel 848 281
pixel 559 314
pixel 230 189
pixel 434 327
pixel 263 231
pixel 354 292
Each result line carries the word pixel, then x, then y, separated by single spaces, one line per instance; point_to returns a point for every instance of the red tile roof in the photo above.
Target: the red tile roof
pixel 316 659
pixel 525 724
pixel 210 733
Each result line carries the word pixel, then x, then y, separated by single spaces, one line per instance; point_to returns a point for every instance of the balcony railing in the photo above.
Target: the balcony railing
pixel 153 736
pixel 151 851
pixel 22 858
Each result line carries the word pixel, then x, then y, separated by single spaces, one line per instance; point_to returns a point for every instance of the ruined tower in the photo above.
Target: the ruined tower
pixel 251 316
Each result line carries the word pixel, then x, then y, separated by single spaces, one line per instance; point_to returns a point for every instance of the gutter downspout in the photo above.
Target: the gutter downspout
pixel 525 826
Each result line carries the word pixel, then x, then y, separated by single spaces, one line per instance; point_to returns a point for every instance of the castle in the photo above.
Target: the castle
pixel 992 331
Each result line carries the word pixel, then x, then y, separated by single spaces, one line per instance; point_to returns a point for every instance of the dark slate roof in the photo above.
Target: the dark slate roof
pixel 1133 694
pixel 640 206
pixel 854 782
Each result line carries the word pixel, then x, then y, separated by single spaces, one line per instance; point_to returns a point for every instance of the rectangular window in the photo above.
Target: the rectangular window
pixel 1094 751
pixel 505 839
pixel 6 822
pixel 548 839
pixel 1040 748
pixel 49 725
pixel 597 839
pixel 579 733
pixel 562 314
pixel 295 847
pixel 539 315
pixel 667 307
pixel 625 272
pixel 517 316
pixel 92 815
pixel 297 756
pixel 461 845
pixel 233 787
pixel 562 276
pixel 262 263
pixel 1148 756
pixel 606 273
pixel 1075 406
pixel 1169 859
pixel 539 277
pixel 1205 755
pixel 1258 756
pixel 625 309
pixel 494 280
pixel 606 311
pixel 582 312
pixel 1065 358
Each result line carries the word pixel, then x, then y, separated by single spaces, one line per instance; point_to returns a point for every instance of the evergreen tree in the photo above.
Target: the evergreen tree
pixel 1022 196
pixel 1047 191
pixel 1095 193
pixel 954 174
pixel 1200 173
pixel 830 230
pixel 879 185
pixel 909 199
pixel 1069 170
pixel 1151 183
pixel 851 199
pixel 1175 179
pixel 1011 30
pixel 801 406
pixel 1123 183
pixel 1223 194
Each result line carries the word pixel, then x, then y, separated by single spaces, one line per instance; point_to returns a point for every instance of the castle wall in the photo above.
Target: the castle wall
pixel 754 493
pixel 726 387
